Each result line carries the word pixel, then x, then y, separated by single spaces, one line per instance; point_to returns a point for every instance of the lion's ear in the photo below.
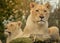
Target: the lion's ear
pixel 48 5
pixel 32 5
pixel 19 23
pixel 11 25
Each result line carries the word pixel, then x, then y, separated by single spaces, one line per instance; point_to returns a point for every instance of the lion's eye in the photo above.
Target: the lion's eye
pixel 37 10
pixel 45 11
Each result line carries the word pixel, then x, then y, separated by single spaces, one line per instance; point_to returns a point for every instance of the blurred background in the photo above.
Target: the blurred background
pixel 15 10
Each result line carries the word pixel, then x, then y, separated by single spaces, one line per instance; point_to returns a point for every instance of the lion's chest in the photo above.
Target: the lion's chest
pixel 38 30
pixel 35 29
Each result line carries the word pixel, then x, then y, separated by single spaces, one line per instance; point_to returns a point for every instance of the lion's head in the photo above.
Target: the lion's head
pixel 12 28
pixel 40 13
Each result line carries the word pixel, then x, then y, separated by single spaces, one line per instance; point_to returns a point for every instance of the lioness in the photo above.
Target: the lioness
pixel 37 22
pixel 13 30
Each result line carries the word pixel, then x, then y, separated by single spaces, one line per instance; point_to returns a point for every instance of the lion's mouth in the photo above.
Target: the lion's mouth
pixel 8 33
pixel 41 21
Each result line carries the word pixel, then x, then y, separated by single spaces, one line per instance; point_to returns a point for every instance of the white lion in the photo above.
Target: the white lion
pixel 13 31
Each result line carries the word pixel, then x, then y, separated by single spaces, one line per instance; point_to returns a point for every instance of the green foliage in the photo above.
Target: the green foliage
pixel 22 40
pixel 6 8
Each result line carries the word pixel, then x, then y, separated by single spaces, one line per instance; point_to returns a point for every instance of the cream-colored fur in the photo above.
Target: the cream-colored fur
pixel 0 41
pixel 54 32
pixel 34 24
pixel 15 30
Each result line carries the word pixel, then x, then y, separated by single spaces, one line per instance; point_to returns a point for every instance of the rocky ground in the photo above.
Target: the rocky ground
pixel 28 40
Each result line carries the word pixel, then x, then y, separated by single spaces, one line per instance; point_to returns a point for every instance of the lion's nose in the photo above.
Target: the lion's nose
pixel 41 17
